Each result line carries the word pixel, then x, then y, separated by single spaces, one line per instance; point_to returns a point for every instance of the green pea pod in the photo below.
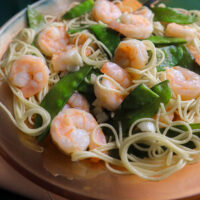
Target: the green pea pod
pixel 170 15
pixel 173 55
pixel 160 93
pixel 35 19
pixel 107 36
pixel 57 97
pixel 187 61
pixel 87 89
pixel 178 55
pixel 80 9
pixel 72 31
pixel 141 96
pixel 163 90
pixel 160 40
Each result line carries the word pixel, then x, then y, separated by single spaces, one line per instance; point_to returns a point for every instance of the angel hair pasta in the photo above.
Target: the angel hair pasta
pixel 122 86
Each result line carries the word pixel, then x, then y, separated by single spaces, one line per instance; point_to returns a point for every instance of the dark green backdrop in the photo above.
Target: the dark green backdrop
pixel 10 7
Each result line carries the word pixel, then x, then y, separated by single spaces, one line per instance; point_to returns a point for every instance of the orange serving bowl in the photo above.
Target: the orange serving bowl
pixel 79 180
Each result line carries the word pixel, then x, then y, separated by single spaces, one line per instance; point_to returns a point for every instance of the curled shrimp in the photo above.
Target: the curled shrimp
pixel 184 82
pixel 111 98
pixel 131 53
pixel 68 60
pixel 133 26
pixel 180 31
pixel 30 74
pixel 52 39
pixel 145 12
pixel 105 11
pixel 72 131
pixel 78 101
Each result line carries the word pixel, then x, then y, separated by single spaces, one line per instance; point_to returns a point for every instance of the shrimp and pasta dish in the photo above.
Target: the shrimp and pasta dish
pixel 112 82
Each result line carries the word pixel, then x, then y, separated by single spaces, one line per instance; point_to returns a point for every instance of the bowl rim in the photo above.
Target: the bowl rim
pixel 19 15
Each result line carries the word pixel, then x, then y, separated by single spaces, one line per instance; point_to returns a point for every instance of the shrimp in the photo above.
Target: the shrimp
pixel 68 60
pixel 145 12
pixel 52 39
pixel 133 26
pixel 131 53
pixel 30 74
pixel 181 31
pixel 105 11
pixel 111 100
pixel 117 73
pixel 78 101
pixel 184 82
pixel 71 130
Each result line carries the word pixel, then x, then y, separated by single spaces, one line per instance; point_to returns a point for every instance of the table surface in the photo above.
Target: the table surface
pixel 15 183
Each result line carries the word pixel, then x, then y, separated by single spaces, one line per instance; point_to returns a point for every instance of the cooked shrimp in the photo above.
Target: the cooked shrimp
pixel 52 39
pixel 30 74
pixel 117 73
pixel 133 26
pixel 72 131
pixel 68 60
pixel 131 53
pixel 105 11
pixel 80 39
pixel 180 31
pixel 78 101
pixel 184 82
pixel 111 100
pixel 145 12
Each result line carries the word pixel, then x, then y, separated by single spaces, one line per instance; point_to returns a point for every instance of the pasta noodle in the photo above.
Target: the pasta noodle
pixel 164 153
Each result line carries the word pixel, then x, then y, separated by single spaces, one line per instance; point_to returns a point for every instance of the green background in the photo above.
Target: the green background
pixel 187 4
pixel 10 7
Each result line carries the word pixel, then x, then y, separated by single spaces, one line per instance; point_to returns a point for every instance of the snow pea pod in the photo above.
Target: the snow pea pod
pixel 178 55
pixel 160 93
pixel 141 96
pixel 160 40
pixel 35 19
pixel 57 97
pixel 173 55
pixel 80 9
pixel 170 15
pixel 187 61
pixel 72 31
pixel 107 36
pixel 86 88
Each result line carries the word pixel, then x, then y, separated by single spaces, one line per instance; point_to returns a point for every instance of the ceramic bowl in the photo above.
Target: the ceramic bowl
pixel 80 180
